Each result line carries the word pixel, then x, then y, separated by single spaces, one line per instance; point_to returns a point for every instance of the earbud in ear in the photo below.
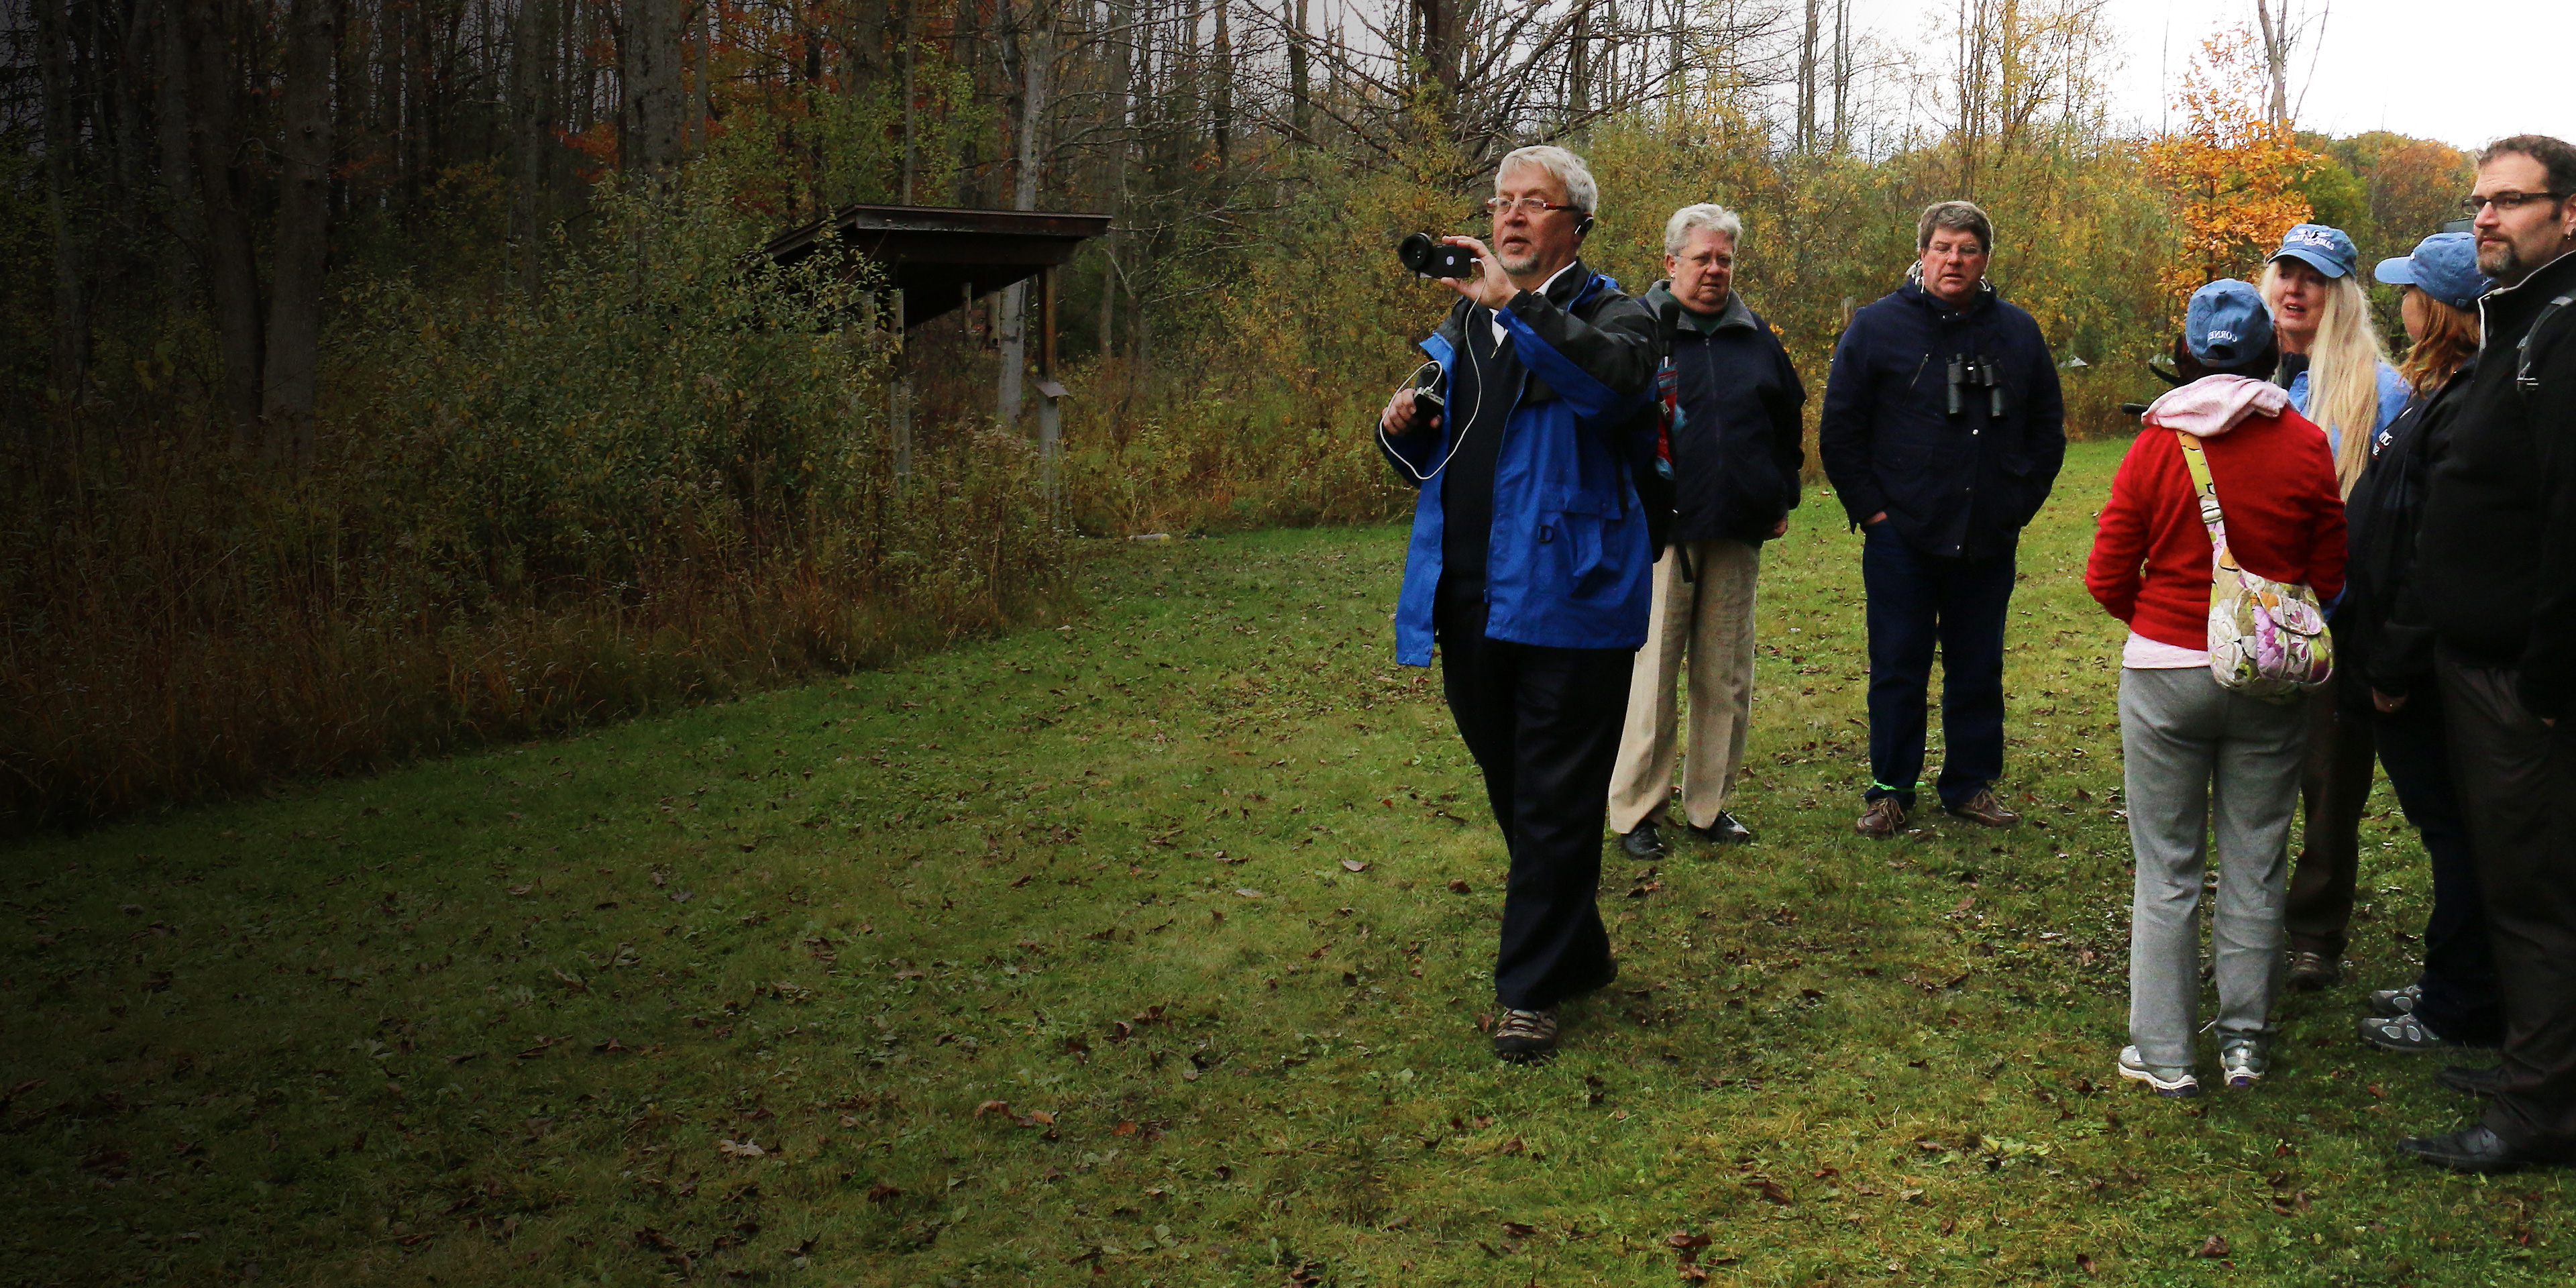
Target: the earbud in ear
pixel 1583 228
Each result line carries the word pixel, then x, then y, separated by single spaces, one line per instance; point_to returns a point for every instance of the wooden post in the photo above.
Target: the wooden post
pixel 900 413
pixel 1050 424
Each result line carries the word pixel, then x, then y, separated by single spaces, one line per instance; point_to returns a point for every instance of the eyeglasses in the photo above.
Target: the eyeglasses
pixel 2505 201
pixel 1530 206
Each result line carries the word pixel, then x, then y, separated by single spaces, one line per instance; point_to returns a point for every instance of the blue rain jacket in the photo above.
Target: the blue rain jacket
pixel 1569 564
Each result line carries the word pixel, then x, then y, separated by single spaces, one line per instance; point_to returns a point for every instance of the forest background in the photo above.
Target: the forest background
pixel 382 376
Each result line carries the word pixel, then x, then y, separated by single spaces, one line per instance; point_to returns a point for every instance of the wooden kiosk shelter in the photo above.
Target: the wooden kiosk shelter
pixel 942 258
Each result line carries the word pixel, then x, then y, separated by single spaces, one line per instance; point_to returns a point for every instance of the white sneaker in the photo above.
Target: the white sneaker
pixel 2175 1082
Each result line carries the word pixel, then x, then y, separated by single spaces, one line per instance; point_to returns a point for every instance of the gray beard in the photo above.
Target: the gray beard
pixel 1522 267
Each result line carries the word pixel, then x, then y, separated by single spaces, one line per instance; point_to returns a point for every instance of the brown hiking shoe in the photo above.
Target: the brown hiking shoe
pixel 1884 818
pixel 1984 808
pixel 2310 971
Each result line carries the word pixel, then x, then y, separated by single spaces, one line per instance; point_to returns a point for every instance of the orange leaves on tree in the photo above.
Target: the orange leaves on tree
pixel 2230 168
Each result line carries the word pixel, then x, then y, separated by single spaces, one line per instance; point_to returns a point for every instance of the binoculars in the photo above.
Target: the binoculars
pixel 1976 371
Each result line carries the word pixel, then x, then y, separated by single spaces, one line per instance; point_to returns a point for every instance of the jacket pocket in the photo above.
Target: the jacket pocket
pixel 1572 547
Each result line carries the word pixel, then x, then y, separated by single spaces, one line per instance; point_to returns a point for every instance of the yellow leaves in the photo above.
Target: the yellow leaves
pixel 2230 168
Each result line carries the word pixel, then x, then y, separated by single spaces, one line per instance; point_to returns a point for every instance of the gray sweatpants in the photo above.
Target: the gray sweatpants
pixel 2190 745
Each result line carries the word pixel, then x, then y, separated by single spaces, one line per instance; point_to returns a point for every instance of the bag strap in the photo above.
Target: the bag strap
pixel 2522 377
pixel 2211 516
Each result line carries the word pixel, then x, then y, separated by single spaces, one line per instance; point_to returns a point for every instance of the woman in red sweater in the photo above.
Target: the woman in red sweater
pixel 2187 744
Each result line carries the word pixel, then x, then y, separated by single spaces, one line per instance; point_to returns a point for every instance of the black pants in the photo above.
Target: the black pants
pixel 2517 780
pixel 1543 724
pixel 1918 602
pixel 2459 980
pixel 2334 788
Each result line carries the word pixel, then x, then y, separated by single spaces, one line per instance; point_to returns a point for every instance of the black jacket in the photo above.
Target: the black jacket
pixel 1953 485
pixel 2496 569
pixel 2383 518
pixel 1737 427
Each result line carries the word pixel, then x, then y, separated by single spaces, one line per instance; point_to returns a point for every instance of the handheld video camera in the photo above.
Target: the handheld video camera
pixel 1429 256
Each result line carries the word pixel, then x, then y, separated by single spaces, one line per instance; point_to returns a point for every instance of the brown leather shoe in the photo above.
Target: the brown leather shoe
pixel 1884 818
pixel 1984 808
pixel 2310 971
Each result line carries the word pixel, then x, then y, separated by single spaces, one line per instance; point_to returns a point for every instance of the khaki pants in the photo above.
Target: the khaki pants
pixel 1709 618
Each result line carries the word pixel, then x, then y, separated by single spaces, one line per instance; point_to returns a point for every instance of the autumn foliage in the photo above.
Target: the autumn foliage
pixel 2231 169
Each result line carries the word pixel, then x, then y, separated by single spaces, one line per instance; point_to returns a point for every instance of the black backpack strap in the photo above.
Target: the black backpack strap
pixel 2522 377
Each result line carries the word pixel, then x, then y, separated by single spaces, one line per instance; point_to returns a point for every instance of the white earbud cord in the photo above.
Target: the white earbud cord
pixel 1457 427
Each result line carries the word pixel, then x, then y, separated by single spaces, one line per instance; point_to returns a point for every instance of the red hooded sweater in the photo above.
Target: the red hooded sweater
pixel 2276 485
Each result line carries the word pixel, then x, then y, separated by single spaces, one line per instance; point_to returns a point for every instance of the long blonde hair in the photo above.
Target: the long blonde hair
pixel 2343 370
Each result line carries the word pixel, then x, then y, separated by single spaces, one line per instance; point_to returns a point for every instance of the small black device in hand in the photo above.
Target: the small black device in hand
pixel 1429 256
pixel 1427 398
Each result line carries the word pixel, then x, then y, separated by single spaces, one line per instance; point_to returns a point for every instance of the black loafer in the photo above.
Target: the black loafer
pixel 1724 831
pixel 2475 1081
pixel 2470 1149
pixel 1643 841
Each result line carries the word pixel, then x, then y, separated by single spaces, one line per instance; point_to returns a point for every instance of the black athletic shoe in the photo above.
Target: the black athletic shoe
pixel 1525 1036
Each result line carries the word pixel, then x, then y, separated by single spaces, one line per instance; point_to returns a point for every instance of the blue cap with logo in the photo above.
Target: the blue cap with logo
pixel 2444 266
pixel 2324 249
pixel 2226 325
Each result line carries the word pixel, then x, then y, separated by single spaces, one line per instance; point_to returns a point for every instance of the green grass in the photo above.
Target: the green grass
pixel 1131 950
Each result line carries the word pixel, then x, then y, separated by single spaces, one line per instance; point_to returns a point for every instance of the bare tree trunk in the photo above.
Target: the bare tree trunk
pixel 1807 85
pixel 69 373
pixel 303 230
pixel 911 104
pixel 533 66
pixel 178 173
pixel 1579 58
pixel 1034 47
pixel 1224 96
pixel 1842 76
pixel 648 78
pixel 2277 39
pixel 232 270
pixel 702 102
pixel 1301 107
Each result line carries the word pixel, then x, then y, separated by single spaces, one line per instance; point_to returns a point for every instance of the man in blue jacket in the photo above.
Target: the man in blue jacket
pixel 1529 561
pixel 1943 430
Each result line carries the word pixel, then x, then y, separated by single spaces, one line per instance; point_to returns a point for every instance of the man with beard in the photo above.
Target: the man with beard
pixel 1529 561
pixel 2496 585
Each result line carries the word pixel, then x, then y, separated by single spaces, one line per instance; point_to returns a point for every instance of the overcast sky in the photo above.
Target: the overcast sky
pixel 2463 73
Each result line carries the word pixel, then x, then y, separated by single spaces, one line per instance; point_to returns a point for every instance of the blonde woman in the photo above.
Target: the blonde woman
pixel 2338 377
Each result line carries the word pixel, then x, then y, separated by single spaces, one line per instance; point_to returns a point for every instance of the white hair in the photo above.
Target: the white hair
pixel 1709 215
pixel 1565 167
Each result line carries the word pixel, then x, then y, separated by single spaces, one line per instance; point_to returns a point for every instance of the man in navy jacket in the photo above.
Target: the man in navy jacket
pixel 1529 561
pixel 1943 430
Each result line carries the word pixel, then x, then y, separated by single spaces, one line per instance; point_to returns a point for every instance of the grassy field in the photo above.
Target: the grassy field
pixel 1153 950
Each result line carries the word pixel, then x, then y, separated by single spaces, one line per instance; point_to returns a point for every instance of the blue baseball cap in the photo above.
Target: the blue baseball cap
pixel 2324 249
pixel 2226 325
pixel 2444 266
